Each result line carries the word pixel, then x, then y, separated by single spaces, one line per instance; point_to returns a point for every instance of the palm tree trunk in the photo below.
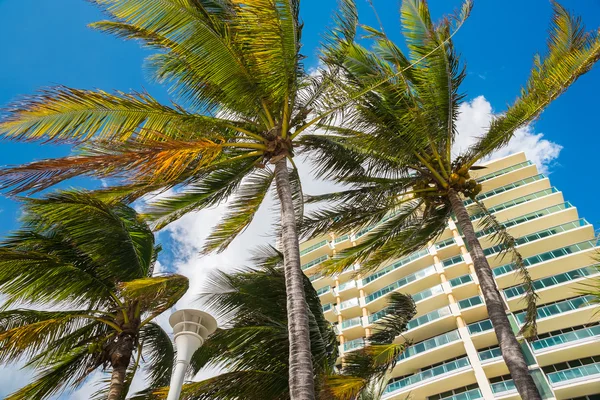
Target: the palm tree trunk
pixel 301 380
pixel 511 350
pixel 120 356
pixel 117 383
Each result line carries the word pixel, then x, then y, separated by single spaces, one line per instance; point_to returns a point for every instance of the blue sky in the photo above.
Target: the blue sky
pixel 47 43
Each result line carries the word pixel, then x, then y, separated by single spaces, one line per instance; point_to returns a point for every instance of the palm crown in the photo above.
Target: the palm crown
pixel 92 262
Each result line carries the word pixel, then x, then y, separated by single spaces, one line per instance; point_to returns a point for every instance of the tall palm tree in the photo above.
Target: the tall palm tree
pixel 394 148
pixel 252 347
pixel 91 263
pixel 235 69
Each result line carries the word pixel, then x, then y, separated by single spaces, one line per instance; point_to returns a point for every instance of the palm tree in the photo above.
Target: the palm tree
pixel 393 149
pixel 236 70
pixel 91 263
pixel 252 347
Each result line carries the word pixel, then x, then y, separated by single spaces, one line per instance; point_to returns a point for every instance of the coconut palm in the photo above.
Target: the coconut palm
pixel 252 346
pixel 235 69
pixel 91 264
pixel 393 149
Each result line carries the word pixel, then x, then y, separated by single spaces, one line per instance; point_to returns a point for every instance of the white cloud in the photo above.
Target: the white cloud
pixel 475 117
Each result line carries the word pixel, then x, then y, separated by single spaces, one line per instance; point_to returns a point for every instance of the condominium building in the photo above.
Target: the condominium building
pixel 454 352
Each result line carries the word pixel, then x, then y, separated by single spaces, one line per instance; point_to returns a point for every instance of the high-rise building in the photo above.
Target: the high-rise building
pixel 454 352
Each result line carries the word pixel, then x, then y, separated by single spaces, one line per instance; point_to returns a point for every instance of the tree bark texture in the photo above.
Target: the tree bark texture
pixel 511 350
pixel 301 378
pixel 120 356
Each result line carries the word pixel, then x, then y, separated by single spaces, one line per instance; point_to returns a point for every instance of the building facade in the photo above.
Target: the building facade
pixel 454 353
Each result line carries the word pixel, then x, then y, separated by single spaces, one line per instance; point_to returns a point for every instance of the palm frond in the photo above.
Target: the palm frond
pixel 159 355
pixel 155 294
pixel 241 211
pixel 509 247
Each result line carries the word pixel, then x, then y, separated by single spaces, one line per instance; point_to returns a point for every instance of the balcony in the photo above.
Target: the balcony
pixel 463 286
pixel 547 263
pixel 497 191
pixel 352 327
pixel 472 308
pixel 349 308
pixel 503 388
pixel 578 381
pixel 418 281
pixel 552 288
pixel 344 289
pixel 431 351
pixel 441 374
pixel 431 324
pixel 353 345
pixel 455 266
pixel 515 202
pixel 566 346
pixel 535 215
pixel 417 260
pixel 314 262
pixel 482 333
pixel 445 247
pixel 473 394
pixel 319 247
pixel 580 311
pixel 503 171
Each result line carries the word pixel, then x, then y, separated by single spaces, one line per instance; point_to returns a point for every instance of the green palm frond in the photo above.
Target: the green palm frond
pixel 400 310
pixel 26 333
pixel 214 188
pixel 159 355
pixel 68 372
pixel 66 115
pixel 572 51
pixel 240 211
pixel 155 294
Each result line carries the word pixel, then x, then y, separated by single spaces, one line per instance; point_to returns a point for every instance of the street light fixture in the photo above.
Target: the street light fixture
pixel 190 329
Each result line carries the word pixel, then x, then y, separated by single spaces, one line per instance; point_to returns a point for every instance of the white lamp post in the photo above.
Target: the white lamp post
pixel 190 328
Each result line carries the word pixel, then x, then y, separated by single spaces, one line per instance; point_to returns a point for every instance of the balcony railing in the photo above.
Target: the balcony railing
pixel 323 290
pixel 445 243
pixel 416 297
pixel 473 394
pixel 400 283
pixel 470 302
pixel 340 239
pixel 503 171
pixel 489 354
pixel 527 217
pixel 430 344
pixel 346 285
pixel 559 308
pixel 505 188
pixel 327 307
pixel 395 265
pixel 565 338
pixel 452 260
pixel 431 373
pixel 354 344
pixel 515 202
pixel 432 316
pixel 461 280
pixel 349 323
pixel 428 293
pixel 314 247
pixel 555 230
pixel 577 373
pixel 349 303
pixel 553 280
pixel 481 326
pixel 314 262
pixel 502 387
pixel 549 255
